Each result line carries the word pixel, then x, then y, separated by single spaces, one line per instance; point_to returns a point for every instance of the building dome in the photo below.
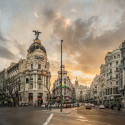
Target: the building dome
pixel 36 45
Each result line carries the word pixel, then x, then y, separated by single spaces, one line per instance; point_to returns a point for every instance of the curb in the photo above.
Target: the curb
pixel 59 111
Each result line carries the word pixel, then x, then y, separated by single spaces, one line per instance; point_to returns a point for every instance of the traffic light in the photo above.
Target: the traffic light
pixel 27 80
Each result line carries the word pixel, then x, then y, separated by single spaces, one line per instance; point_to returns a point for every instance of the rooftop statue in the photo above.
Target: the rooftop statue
pixel 36 33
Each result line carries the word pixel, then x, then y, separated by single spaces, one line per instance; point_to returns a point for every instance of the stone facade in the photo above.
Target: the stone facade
pixel 101 84
pixel 105 86
pixel 80 91
pixel 67 87
pixel 121 79
pixel 29 79
pixel 112 61
pixel 94 90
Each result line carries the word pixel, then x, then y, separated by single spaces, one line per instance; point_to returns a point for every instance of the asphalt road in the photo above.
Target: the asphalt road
pixel 79 116
pixel 23 116
pixel 95 116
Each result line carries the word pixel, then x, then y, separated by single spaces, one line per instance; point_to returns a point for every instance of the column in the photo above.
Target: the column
pixel 35 101
pixel 44 97
pixel 42 82
pixel 48 82
pixel 36 80
pixel 45 81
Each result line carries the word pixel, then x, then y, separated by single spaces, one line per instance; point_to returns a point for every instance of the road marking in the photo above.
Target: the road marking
pixel 100 123
pixel 79 115
pixel 48 120
pixel 82 120
pixel 85 119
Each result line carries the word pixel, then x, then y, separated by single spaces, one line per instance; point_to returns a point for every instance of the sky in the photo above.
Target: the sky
pixel 89 29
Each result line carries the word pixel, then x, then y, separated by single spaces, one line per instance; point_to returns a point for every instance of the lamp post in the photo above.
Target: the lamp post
pixel 61 80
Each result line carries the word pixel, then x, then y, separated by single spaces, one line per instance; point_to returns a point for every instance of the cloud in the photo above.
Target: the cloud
pixel 5 53
pixel 35 14
pixel 96 28
pixel 90 38
pixel 73 10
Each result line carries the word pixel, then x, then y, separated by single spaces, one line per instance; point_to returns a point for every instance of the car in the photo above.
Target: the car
pixel 24 104
pixel 75 104
pixel 88 106
pixel 106 105
pixel 102 107
pixel 93 105
pixel 43 105
pixel 68 105
pixel 64 105
pixel 53 106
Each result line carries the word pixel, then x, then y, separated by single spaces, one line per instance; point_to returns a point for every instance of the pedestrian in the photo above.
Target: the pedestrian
pixel 112 106
pixel 118 107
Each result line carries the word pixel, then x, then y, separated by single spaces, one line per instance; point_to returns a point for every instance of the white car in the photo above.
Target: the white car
pixel 53 105
pixel 102 107
pixel 93 105
pixel 88 106
pixel 43 105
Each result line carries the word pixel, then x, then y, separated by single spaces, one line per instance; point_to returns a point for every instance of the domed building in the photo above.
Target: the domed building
pixel 29 79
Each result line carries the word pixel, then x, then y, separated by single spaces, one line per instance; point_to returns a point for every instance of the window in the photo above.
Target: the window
pixel 31 66
pixel 110 64
pixel 116 82
pixel 31 85
pixel 116 76
pixel 118 55
pixel 39 77
pixel 110 83
pixel 121 74
pixel 116 62
pixel 117 69
pixel 39 86
pixel 39 66
pixel 110 77
pixel 64 91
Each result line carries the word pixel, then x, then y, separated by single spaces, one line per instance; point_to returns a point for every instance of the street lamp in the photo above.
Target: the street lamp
pixel 61 80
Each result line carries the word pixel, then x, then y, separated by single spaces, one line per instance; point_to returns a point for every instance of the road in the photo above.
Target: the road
pixel 78 116
pixel 95 116
pixel 23 116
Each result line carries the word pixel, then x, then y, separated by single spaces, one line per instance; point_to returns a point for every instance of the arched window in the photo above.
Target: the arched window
pixel 31 66
pixel 118 55
pixel 39 66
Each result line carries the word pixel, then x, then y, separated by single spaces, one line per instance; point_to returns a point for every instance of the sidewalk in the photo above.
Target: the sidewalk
pixel 123 109
pixel 64 110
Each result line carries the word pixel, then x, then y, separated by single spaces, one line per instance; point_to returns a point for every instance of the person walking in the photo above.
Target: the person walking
pixel 118 107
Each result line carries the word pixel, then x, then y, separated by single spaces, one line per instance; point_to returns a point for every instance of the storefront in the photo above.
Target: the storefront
pixel 40 100
pixel 30 98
